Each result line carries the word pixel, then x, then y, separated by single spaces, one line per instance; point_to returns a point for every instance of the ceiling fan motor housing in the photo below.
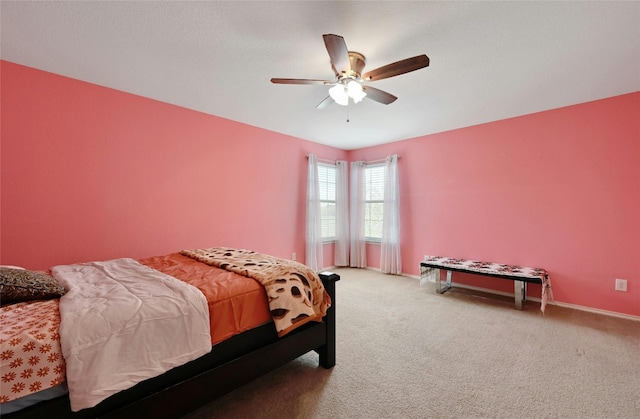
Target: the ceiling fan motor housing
pixel 357 63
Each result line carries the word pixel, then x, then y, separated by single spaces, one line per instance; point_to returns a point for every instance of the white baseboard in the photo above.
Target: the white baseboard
pixel 596 310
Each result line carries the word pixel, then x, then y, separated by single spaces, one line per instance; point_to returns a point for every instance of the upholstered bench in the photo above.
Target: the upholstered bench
pixel 520 275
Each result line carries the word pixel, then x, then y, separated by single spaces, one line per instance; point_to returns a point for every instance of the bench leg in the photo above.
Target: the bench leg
pixel 439 288
pixel 520 292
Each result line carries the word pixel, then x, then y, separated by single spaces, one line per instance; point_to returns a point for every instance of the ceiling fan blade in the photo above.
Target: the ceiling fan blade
pixel 338 52
pixel 326 102
pixel 300 81
pixel 399 67
pixel 379 95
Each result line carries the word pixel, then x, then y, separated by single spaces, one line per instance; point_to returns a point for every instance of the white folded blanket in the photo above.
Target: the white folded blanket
pixel 122 323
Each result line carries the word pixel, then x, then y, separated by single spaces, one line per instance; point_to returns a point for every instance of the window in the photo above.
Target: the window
pixel 327 183
pixel 374 201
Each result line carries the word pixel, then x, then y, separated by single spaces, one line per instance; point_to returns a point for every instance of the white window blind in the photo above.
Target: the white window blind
pixel 327 183
pixel 374 201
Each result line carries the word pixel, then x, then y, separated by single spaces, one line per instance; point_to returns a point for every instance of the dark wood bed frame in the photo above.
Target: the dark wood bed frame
pixel 229 365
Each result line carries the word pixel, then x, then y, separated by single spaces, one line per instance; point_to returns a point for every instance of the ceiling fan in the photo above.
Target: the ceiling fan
pixel 348 66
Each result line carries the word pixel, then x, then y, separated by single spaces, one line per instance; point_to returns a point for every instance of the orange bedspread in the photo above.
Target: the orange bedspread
pixel 236 303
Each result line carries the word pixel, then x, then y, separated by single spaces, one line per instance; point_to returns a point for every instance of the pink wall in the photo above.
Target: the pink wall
pixel 557 189
pixel 93 173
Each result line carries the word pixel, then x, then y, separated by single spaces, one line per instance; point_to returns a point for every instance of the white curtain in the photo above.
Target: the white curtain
pixel 390 260
pixel 313 248
pixel 358 249
pixel 342 214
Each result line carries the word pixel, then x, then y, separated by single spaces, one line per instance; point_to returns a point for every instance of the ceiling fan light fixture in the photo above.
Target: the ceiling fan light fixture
pixel 354 89
pixel 339 94
pixel 342 91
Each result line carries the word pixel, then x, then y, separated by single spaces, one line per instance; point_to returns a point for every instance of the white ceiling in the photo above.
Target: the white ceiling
pixel 489 60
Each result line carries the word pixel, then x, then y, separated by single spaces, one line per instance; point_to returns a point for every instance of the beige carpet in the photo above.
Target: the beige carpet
pixel 404 351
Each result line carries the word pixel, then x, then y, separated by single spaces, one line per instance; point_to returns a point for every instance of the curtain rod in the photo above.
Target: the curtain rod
pixel 376 161
pixel 323 160
pixel 334 161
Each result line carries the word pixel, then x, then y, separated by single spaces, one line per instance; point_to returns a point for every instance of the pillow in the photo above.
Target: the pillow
pixel 23 285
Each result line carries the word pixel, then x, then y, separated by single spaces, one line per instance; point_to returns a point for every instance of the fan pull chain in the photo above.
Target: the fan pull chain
pixel 347 113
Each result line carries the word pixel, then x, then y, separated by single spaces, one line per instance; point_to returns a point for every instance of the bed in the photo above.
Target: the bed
pixel 257 342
